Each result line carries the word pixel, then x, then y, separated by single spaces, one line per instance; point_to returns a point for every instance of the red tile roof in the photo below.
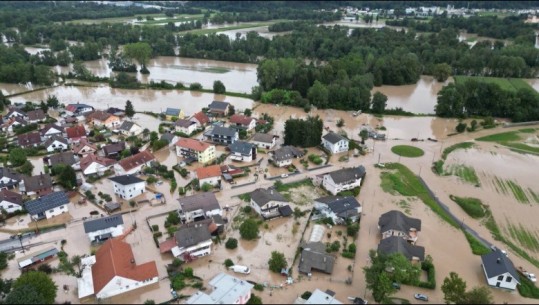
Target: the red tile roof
pixel 207 172
pixel 201 117
pixel 192 144
pixel 167 245
pixel 136 160
pixel 115 258
pixel 82 144
pixel 89 159
pixel 241 119
pixel 76 132
pixel 99 115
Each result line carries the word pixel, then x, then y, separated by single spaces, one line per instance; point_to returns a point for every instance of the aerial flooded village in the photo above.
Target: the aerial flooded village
pixel 276 152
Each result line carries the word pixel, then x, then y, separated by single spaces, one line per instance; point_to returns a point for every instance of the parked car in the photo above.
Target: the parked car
pixel 284 175
pixel 396 285
pixel 421 297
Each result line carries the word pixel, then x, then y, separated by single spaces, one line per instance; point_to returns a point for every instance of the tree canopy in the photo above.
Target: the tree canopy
pixel 33 287
pixel 454 289
pixel 303 133
pixel 139 51
pixel 249 229
pixel 277 262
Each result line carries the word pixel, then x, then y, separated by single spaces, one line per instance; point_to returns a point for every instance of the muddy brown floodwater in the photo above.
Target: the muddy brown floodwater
pixel 237 77
pixel 143 99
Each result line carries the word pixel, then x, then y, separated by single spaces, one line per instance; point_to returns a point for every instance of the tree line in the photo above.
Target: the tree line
pixel 303 133
pixel 477 98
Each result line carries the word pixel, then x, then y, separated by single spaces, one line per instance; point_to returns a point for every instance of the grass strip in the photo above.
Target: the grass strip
pixel 407 151
pixel 477 247
pixel 450 149
pixel 464 172
pixel 518 192
pixel 472 206
pixel 534 195
pixel 501 137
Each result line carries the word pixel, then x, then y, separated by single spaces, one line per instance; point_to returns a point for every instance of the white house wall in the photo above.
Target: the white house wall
pixel 56 211
pixel 57 145
pixel 129 191
pixel 10 207
pixel 503 284
pixel 120 285
pixel 334 188
pixel 115 231
pixel 211 180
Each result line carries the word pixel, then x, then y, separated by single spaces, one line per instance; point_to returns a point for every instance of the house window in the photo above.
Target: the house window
pixel 500 278
pixel 508 279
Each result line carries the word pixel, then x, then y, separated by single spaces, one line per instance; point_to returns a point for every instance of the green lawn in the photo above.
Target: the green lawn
pixel 511 139
pixel 464 172
pixel 407 151
pixel 477 247
pixel 472 206
pixel 179 18
pixel 512 84
pixel 501 137
pixel 528 239
pixel 450 149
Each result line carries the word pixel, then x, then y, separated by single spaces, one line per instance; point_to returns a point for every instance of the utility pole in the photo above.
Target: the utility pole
pixel 20 240
pixel 378 158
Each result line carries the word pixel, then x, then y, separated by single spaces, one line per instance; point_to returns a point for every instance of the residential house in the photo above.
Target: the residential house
pixel 92 164
pixel 335 143
pixel 226 289
pixel 218 108
pixel 34 259
pixel 84 148
pixel 314 257
pixel 35 116
pixel 101 229
pixel 339 208
pixel 129 128
pixel 263 140
pixel 195 150
pixel 499 270
pixel 116 111
pixel 269 203
pixel 200 118
pixel 209 174
pixel 185 126
pixel 242 151
pixel 9 178
pixel 319 297
pixel 78 109
pixel 171 139
pixel 113 150
pixel 31 139
pixel 39 185
pixel 198 207
pixel 230 171
pixel 395 244
pixel 48 206
pixel 134 164
pixel 10 201
pixel 113 270
pixel 76 133
pixel 342 179
pixel 173 113
pixel 395 223
pixel 102 118
pixel 242 121
pixel 283 156
pixel 15 113
pixel 64 158
pixel 222 135
pixel 12 124
pixel 128 186
pixel 56 143
pixel 51 129
pixel 192 241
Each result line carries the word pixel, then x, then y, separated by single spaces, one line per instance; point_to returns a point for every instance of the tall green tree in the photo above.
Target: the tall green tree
pixel 129 109
pixel 318 95
pixel 139 51
pixel 441 72
pixel 66 176
pixel 454 289
pixel 17 156
pixel 277 262
pixel 33 287
pixel 478 295
pixel 379 102
pixel 218 87
pixel 249 229
pixel 303 133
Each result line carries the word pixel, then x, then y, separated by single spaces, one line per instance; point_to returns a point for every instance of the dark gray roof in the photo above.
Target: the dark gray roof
pixel 172 111
pixel 217 105
pixel 205 201
pixel 496 263
pixel 167 136
pixel 188 236
pixel 114 148
pixel 223 131
pixel 262 196
pixel 126 125
pixel 38 182
pixel 67 158
pixel 287 152
pixel 55 138
pixel 396 220
pixel 314 256
pixel 241 147
pixel 340 205
pixel 184 123
pixel 333 137
pixel 263 137
pixel 46 202
pixel 126 179
pixel 396 244
pixel 285 210
pixel 11 174
pixel 103 223
pixel 112 206
pixel 347 175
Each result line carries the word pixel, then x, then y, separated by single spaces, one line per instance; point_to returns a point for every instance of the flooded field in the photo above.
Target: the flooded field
pixel 143 100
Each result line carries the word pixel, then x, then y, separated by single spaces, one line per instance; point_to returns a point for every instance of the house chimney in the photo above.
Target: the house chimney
pixel 498 260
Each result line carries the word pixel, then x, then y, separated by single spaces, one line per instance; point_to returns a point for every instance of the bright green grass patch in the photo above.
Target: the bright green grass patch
pixel 407 151
pixel 450 149
pixel 527 239
pixel 472 206
pixel 510 84
pixel 527 130
pixel 464 172
pixel 527 288
pixel 501 137
pixel 477 247
pixel 500 186
pixel 534 195
pixel 518 192
pixel 522 147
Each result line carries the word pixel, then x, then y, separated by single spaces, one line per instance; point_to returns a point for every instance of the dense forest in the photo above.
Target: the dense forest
pixel 475 98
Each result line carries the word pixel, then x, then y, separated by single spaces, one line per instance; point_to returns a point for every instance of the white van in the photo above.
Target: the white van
pixel 240 269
